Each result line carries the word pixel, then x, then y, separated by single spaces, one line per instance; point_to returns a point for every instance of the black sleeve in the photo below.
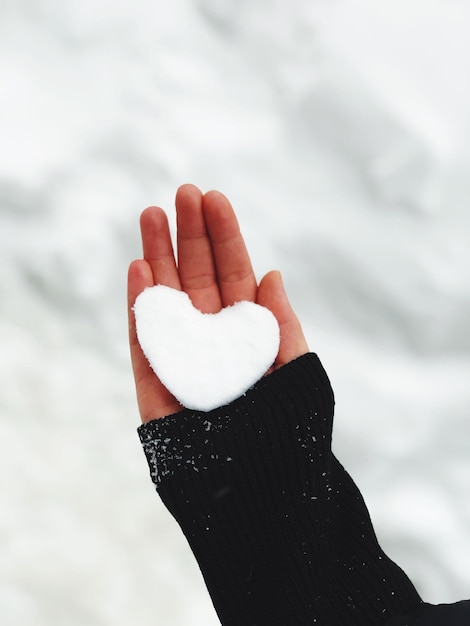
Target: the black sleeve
pixel 279 529
pixel 457 614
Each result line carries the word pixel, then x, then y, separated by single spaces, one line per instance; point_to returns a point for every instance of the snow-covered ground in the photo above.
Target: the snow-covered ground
pixel 340 129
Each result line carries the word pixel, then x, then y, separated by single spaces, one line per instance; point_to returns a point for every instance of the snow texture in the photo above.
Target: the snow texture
pixel 340 130
pixel 206 360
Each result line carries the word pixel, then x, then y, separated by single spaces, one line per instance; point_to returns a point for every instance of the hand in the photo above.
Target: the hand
pixel 214 269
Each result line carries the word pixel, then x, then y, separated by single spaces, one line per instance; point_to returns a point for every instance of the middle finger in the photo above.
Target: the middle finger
pixel 195 259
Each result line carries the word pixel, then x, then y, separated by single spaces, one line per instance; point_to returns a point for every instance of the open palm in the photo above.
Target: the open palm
pixel 213 268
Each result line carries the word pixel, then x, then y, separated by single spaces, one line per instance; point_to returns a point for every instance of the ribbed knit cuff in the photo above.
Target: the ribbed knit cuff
pixel 280 531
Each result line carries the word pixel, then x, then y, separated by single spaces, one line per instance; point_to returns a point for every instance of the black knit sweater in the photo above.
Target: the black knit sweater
pixel 279 529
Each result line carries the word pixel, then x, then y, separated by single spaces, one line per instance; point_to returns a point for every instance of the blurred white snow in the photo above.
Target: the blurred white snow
pixel 340 131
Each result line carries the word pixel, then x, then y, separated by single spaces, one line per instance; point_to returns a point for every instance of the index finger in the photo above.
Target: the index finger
pixel 233 267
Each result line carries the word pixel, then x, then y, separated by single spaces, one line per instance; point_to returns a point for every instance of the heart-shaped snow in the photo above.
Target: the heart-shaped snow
pixel 205 360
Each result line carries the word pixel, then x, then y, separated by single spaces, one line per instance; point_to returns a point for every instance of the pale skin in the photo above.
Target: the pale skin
pixel 213 267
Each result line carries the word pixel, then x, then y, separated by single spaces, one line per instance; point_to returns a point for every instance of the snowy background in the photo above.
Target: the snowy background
pixel 340 129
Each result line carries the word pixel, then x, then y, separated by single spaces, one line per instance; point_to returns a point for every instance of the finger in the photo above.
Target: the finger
pixel 153 398
pixel 139 277
pixel 195 261
pixel 272 295
pixel 157 247
pixel 235 274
